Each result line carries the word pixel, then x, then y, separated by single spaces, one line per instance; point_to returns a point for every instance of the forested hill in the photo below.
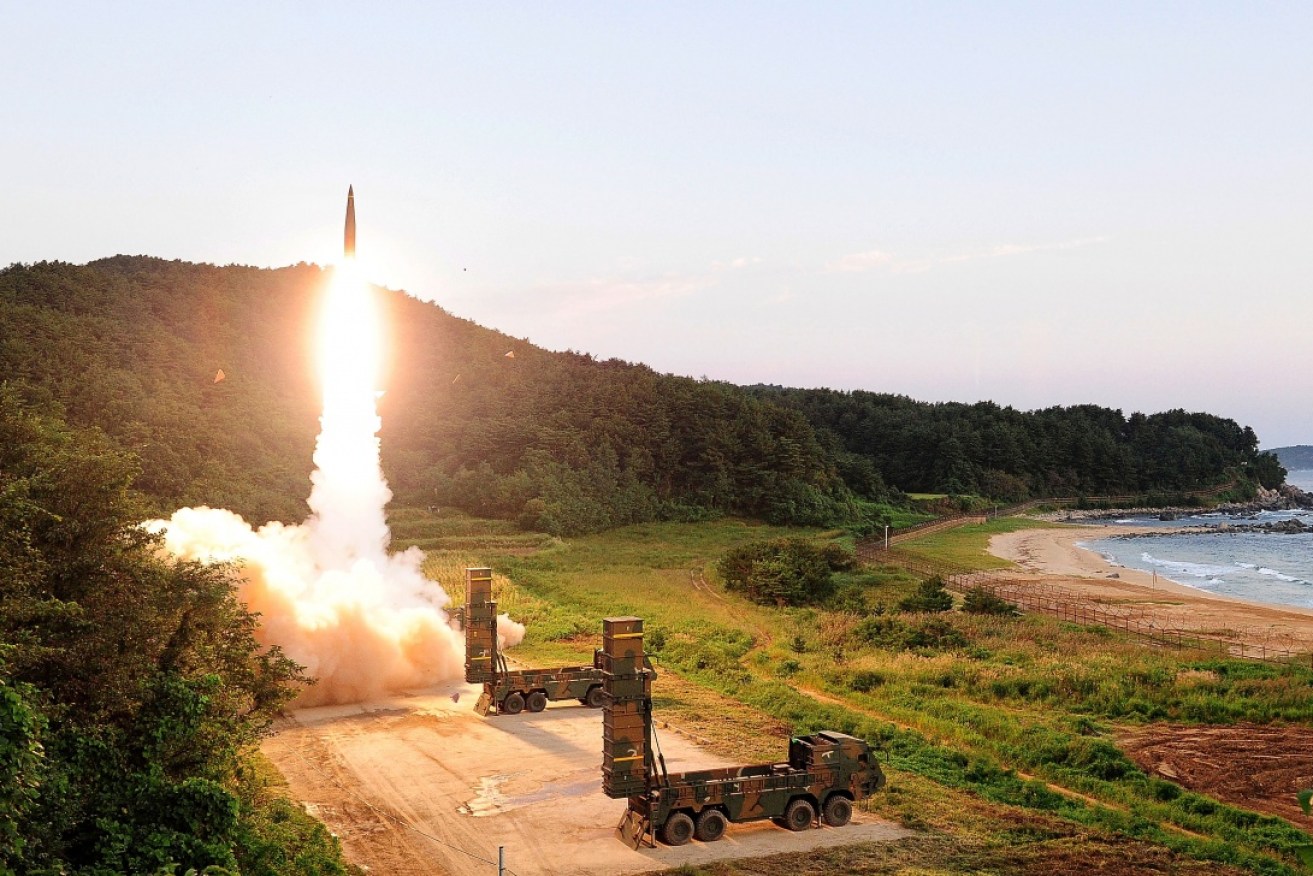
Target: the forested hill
pixel 1007 454
pixel 133 345
pixel 559 440
pixel 1299 456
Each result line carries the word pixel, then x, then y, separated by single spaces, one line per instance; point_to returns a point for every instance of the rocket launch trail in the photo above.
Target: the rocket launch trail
pixel 349 240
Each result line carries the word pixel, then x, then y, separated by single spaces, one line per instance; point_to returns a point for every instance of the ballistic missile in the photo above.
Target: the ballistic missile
pixel 349 241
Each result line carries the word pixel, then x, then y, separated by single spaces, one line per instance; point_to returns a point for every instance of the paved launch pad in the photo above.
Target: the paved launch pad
pixel 419 784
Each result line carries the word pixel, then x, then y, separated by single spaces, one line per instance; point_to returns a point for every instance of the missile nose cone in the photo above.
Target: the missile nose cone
pixel 349 237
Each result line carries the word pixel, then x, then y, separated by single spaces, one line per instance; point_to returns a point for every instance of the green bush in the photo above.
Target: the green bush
pixel 978 600
pixel 866 681
pixel 849 600
pixel 934 633
pixel 784 571
pixel 929 597
pixel 788 668
pixel 895 635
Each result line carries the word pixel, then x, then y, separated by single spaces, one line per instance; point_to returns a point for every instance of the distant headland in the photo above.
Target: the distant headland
pixel 1296 458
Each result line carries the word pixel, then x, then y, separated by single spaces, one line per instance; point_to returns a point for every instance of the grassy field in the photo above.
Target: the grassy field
pixel 998 732
pixel 968 546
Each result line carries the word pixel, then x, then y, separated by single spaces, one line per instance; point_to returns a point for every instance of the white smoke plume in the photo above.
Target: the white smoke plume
pixel 363 621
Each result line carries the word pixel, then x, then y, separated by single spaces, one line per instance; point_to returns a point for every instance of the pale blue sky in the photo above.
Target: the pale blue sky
pixel 1033 203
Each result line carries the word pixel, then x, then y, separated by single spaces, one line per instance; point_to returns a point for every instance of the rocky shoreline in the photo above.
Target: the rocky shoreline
pixel 1282 527
pixel 1286 498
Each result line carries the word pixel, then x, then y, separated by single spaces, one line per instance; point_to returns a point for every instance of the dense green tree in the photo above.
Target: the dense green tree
pixel 929 596
pixel 784 571
pixel 132 689
pixel 1013 455
pixel 561 441
pixel 1267 470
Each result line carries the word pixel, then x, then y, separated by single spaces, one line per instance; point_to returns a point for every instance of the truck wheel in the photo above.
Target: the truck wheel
pixel 596 697
pixel 838 810
pixel 678 829
pixel 711 825
pixel 513 704
pixel 799 815
pixel 536 701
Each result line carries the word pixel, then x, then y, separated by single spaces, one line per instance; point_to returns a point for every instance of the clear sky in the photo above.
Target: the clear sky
pixel 1037 203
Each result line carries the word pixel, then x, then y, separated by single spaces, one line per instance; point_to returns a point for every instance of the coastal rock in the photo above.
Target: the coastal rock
pixel 1286 498
pixel 1278 527
pixel 1296 496
pixel 1290 527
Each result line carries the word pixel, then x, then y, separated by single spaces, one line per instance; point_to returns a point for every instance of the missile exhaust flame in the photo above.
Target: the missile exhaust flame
pixel 362 620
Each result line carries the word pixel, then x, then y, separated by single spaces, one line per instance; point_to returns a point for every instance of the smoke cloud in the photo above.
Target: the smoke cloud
pixel 363 621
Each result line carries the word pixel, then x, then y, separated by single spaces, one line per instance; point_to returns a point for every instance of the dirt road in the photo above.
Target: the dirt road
pixel 419 784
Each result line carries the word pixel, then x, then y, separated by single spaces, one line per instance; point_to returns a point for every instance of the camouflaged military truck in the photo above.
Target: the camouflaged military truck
pixel 826 772
pixel 511 691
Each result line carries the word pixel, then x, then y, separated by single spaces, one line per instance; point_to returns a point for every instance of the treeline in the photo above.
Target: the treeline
pixel 132 691
pixel 562 442
pixel 567 443
pixel 132 346
pixel 1003 453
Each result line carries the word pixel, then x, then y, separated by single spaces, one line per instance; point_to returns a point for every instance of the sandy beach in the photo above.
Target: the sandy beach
pixel 1051 556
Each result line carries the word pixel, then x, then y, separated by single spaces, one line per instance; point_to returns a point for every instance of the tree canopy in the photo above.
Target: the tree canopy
pixel 997 451
pixel 558 440
pixel 132 690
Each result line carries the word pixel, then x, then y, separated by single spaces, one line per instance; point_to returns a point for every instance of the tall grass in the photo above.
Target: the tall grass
pixel 973 707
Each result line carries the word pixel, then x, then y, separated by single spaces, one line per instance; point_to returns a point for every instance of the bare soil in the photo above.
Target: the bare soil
pixel 419 784
pixel 1256 767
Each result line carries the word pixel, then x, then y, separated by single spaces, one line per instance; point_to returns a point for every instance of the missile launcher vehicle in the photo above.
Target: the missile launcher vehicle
pixel 511 691
pixel 825 774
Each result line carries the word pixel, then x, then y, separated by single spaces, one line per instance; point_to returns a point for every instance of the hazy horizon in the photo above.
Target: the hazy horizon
pixel 1029 205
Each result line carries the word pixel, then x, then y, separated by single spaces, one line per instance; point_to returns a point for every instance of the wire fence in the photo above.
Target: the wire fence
pixel 1075 607
pixel 884 540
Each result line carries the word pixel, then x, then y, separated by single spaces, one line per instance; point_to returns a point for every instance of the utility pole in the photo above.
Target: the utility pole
pixel 501 861
pixel 886 536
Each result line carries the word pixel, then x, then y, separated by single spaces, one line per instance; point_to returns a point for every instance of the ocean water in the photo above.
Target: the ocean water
pixel 1257 566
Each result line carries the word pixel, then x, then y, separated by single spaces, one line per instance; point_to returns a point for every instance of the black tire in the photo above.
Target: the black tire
pixel 838 810
pixel 711 825
pixel 536 701
pixel 596 697
pixel 677 830
pixel 799 815
pixel 513 704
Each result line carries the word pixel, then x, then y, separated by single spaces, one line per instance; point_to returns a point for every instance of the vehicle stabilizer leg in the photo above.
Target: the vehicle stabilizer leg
pixel 634 828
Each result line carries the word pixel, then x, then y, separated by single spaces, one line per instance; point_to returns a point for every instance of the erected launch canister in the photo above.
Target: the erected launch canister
pixel 349 239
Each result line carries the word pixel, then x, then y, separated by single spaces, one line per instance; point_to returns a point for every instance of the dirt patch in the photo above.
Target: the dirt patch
pixel 1256 767
pixel 420 784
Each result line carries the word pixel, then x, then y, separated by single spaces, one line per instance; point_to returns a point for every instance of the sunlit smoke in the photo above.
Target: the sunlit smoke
pixel 362 621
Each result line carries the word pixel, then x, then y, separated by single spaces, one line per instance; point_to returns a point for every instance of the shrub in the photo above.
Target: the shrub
pixel 929 597
pixel 866 681
pixel 978 600
pixel 784 571
pixel 895 635
pixel 849 600
pixel 934 633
